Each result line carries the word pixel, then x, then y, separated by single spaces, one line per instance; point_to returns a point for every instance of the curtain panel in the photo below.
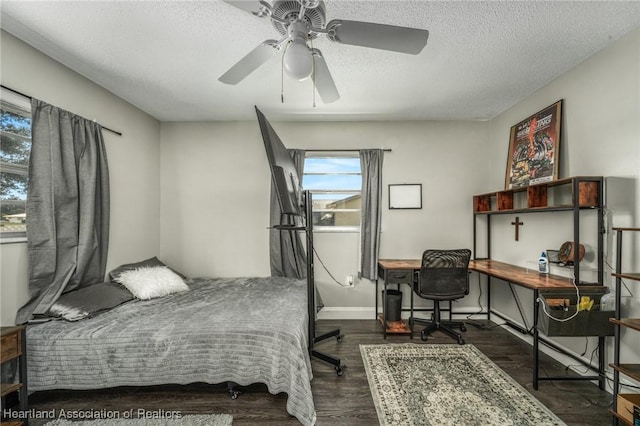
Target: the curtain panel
pixel 286 251
pixel 371 167
pixel 67 207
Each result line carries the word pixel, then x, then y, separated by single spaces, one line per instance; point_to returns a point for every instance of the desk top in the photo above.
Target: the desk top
pixel 399 264
pixel 525 277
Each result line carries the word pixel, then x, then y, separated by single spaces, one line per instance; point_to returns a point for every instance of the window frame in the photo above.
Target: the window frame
pixel 333 155
pixel 18 105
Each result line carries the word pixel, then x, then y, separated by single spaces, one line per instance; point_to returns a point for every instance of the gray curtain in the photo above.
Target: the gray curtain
pixel 371 166
pixel 287 254
pixel 67 207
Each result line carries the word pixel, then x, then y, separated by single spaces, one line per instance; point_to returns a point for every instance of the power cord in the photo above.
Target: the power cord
pixel 569 318
pixel 327 270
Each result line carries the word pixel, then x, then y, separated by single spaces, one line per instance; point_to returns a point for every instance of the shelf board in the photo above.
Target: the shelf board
pixel 534 210
pixel 628 275
pixel 396 327
pixel 630 370
pixel 6 389
pixel 619 417
pixel 633 323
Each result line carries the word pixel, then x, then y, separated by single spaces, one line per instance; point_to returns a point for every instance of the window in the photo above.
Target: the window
pixel 335 183
pixel 15 147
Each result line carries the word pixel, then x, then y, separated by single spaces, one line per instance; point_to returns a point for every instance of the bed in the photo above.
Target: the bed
pixel 242 330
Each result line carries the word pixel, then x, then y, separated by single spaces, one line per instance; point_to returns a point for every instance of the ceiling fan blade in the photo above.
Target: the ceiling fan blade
pixel 322 78
pixel 378 36
pixel 255 7
pixel 250 63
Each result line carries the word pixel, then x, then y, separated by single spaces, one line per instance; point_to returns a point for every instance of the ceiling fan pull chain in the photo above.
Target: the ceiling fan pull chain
pixel 282 72
pixel 313 74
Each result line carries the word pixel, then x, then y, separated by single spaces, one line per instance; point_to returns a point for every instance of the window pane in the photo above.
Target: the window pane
pixel 332 165
pixel 335 184
pixel 15 148
pixel 332 182
pixel 336 218
pixel 13 194
pixel 15 142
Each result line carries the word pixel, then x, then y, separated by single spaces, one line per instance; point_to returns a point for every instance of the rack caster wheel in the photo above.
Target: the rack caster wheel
pixel 340 370
pixel 423 336
pixel 234 394
pixel 339 338
pixel 460 340
pixel 463 328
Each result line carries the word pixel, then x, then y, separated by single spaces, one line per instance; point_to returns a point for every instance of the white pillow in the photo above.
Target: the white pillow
pixel 150 282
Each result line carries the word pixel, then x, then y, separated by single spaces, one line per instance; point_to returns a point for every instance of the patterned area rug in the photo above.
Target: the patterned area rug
pixel 414 384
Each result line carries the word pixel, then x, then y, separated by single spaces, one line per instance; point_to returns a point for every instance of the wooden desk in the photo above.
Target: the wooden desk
pixel 533 280
pixel 516 275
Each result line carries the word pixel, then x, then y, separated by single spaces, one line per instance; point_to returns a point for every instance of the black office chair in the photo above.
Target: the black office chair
pixel 443 275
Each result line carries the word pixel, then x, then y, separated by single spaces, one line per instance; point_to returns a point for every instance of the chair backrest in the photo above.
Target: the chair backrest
pixel 444 274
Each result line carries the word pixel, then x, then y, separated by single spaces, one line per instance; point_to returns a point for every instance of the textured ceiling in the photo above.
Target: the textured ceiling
pixel 165 56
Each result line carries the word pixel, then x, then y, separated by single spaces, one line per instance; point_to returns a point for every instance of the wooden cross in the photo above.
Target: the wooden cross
pixel 517 224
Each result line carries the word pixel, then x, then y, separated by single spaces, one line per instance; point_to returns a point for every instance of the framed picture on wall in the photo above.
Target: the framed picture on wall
pixel 405 196
pixel 534 145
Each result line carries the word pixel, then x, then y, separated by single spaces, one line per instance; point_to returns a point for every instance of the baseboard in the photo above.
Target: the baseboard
pixel 347 313
pixel 368 312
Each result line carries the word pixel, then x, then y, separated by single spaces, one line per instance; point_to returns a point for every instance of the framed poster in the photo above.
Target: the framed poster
pixel 534 145
pixel 405 196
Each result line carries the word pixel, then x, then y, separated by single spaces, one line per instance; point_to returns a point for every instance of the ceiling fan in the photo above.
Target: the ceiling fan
pixel 301 21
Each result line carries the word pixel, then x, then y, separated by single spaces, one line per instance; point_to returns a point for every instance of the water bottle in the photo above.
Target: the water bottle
pixel 543 264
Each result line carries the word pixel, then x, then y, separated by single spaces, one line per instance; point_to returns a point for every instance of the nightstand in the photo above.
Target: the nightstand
pixel 14 345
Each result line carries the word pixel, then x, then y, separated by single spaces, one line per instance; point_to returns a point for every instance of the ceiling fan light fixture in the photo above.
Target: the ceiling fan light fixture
pixel 298 61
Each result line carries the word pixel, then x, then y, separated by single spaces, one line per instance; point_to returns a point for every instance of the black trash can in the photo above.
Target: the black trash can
pixel 393 308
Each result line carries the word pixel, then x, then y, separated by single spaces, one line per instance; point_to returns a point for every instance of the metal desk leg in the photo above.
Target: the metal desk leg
pixel 535 339
pixel 375 314
pixel 602 381
pixel 384 306
pixel 411 313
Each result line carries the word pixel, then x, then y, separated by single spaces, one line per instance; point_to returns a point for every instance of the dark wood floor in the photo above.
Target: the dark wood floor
pixel 344 400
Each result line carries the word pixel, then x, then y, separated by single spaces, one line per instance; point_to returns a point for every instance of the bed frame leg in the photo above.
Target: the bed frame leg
pixel 233 389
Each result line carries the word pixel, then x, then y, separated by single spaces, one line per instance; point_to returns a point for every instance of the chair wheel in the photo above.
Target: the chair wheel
pixel 423 335
pixel 339 338
pixel 340 370
pixel 463 328
pixel 460 340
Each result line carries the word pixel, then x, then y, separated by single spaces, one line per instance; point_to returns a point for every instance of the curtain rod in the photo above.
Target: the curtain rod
pixel 29 97
pixel 341 150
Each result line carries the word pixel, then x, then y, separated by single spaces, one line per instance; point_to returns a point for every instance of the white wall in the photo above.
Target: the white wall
pixel 134 162
pixel 600 137
pixel 215 196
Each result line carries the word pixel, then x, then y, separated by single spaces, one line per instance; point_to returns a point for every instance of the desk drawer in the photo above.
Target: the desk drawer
pixel 10 346
pixel 400 276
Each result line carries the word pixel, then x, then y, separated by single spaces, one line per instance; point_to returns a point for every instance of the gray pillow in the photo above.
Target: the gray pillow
pixel 89 301
pixel 148 263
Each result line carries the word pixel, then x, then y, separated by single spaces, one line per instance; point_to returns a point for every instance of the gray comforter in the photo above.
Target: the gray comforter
pixel 244 330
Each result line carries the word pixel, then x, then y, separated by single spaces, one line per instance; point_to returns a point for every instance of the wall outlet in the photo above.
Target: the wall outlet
pixel 349 281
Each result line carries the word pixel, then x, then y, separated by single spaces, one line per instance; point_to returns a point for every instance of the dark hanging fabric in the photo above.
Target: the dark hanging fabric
pixel 67 207
pixel 286 251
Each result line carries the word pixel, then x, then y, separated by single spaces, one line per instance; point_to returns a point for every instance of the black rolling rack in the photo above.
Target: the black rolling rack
pixel 307 227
